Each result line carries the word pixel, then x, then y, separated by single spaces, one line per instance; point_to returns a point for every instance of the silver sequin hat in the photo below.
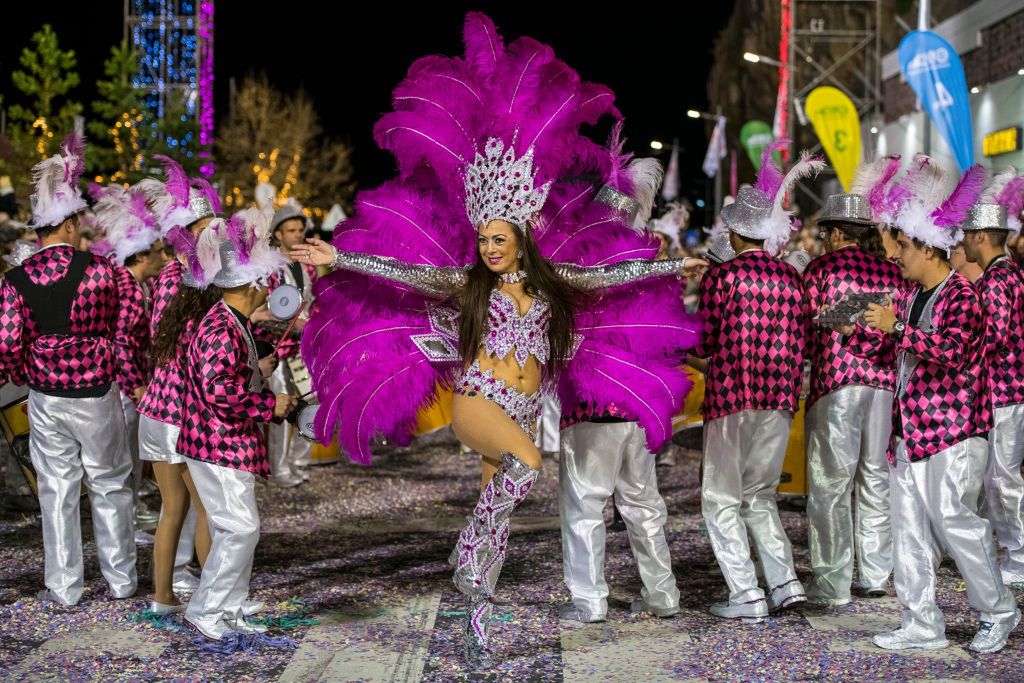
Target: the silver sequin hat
pixel 846 207
pixel 22 250
pixel 231 273
pixel 749 214
pixel 200 205
pixel 986 217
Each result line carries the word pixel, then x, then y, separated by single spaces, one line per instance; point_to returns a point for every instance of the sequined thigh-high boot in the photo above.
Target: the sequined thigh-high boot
pixel 480 551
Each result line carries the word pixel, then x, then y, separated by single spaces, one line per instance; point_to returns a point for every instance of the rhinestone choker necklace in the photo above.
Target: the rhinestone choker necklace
pixel 513 278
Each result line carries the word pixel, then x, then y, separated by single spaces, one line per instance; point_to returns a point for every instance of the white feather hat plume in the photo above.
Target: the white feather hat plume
pixel 781 224
pixel 125 221
pixel 56 196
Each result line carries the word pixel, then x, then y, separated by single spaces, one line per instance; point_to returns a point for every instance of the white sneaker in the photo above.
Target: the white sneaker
pixel 214 630
pixel 251 607
pixel 992 637
pixel 901 640
pixel 753 612
pixel 245 626
pixel 571 612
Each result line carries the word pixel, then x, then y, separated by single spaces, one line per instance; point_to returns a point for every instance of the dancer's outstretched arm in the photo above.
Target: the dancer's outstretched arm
pixel 435 281
pixel 624 272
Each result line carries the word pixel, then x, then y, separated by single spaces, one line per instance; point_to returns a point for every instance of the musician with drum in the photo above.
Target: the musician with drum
pixel 289 454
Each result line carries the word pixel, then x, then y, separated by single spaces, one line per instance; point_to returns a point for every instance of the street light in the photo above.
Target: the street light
pixel 655 144
pixel 693 114
pixel 756 58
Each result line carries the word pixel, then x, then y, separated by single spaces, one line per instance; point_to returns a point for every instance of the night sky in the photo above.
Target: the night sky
pixel 656 61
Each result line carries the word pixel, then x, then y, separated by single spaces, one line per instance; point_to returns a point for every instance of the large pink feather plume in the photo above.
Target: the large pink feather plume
pixel 769 178
pixel 953 211
pixel 1012 197
pixel 184 242
pixel 370 377
pixel 872 180
pixel 177 183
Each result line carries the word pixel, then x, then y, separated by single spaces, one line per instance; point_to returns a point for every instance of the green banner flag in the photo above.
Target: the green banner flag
pixel 756 136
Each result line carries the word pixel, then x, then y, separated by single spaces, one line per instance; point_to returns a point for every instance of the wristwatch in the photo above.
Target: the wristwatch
pixel 898 329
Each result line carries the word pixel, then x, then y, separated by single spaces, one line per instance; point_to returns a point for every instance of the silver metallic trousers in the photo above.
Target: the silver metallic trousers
pixel 847 437
pixel 286 450
pixel 743 455
pixel 131 420
pixel 229 496
pixel 597 460
pixel 933 509
pixel 72 440
pixel 1004 486
pixel 547 428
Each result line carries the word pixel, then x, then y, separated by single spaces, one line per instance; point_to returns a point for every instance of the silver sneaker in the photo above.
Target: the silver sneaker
pixel 753 612
pixel 252 607
pixel 901 640
pixel 244 626
pixel 185 582
pixel 992 637
pixel 786 595
pixel 571 612
pixel 638 605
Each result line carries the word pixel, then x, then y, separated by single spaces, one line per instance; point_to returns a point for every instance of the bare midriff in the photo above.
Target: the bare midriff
pixel 524 379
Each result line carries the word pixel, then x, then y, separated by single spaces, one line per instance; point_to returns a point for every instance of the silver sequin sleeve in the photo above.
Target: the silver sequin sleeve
pixel 621 273
pixel 435 281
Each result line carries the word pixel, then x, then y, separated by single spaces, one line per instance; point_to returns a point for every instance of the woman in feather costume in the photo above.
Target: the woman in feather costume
pixel 560 291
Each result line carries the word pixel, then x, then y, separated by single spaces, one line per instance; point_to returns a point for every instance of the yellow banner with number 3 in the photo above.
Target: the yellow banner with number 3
pixel 836 122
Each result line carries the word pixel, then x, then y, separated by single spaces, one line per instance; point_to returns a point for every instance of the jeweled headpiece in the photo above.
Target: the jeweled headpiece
pixel 500 187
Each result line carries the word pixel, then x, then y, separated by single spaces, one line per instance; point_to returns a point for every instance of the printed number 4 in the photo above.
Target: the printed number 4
pixel 942 97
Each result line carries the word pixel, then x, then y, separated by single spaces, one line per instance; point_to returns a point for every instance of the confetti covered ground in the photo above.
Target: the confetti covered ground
pixel 353 567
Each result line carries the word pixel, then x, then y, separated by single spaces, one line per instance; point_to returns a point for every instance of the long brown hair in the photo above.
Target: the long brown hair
pixel 542 282
pixel 188 305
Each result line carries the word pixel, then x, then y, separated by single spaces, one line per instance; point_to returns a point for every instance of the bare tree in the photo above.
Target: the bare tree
pixel 276 138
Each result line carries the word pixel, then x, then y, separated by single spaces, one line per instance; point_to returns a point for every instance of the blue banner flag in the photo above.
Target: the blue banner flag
pixel 934 71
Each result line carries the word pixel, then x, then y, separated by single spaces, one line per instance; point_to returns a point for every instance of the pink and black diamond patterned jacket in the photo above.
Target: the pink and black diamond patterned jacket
pixel 132 341
pixel 165 398
pixel 63 343
pixel 754 330
pixel 1002 297
pixel 828 279
pixel 225 403
pixel 942 395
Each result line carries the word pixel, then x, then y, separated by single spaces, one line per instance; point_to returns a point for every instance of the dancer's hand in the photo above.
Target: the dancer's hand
pixel 315 252
pixel 268 365
pixel 693 267
pixel 139 393
pixel 283 405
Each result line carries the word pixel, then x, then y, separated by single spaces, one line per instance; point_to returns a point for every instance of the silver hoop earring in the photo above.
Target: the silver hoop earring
pixel 520 255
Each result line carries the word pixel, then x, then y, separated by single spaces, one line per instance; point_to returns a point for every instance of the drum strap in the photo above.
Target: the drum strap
pixel 50 305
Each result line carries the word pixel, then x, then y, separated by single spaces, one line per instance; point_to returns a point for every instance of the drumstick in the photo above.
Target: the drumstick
pixel 291 324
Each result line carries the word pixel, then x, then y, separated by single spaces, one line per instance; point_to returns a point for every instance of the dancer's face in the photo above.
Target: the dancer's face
pixel 499 247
